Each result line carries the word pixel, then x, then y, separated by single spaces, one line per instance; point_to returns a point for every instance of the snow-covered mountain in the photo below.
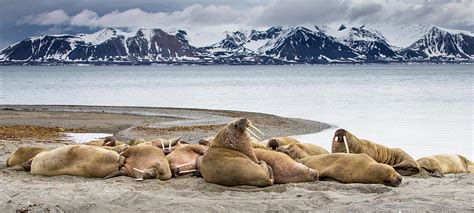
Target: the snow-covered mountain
pixel 372 45
pixel 300 44
pixel 275 45
pixel 442 43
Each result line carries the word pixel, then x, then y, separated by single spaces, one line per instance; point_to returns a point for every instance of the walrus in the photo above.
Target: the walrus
pixel 231 161
pixel 166 145
pixel 274 143
pixel 206 141
pixel 76 160
pixel 23 154
pixel 144 161
pixel 404 164
pixel 438 165
pixel 136 141
pixel 184 159
pixel 301 150
pixel 107 141
pixel 285 169
pixel 352 168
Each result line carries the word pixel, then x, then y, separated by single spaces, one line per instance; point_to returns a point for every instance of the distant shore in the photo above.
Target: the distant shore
pixel 128 123
pixel 219 64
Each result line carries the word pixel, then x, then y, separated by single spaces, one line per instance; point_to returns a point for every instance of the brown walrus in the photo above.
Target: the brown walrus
pixel 206 141
pixel 136 141
pixel 23 154
pixel 231 160
pixel 77 160
pixel 107 141
pixel 301 150
pixel 166 145
pixel 438 165
pixel 274 143
pixel 285 169
pixel 144 161
pixel 403 163
pixel 184 159
pixel 352 168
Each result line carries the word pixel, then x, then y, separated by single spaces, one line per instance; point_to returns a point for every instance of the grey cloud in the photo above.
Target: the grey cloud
pixel 364 12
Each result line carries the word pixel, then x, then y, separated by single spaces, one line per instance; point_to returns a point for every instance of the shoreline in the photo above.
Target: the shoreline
pixel 130 122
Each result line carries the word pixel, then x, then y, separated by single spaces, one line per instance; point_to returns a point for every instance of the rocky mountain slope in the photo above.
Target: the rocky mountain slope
pixel 275 45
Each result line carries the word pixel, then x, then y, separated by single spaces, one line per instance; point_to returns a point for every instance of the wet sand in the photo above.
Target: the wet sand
pixel 23 191
pixel 127 123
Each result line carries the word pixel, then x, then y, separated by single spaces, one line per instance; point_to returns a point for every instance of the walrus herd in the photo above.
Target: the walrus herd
pixel 235 156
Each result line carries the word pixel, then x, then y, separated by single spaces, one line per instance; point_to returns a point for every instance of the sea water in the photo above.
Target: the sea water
pixel 424 109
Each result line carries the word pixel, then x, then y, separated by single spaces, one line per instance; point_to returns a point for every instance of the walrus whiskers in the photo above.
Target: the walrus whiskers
pixel 253 134
pixel 345 143
pixel 256 129
pixel 187 171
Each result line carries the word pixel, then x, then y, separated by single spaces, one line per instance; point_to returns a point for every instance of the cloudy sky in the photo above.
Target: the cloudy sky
pixel 23 18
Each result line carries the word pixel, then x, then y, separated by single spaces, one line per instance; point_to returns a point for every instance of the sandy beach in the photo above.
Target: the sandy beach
pixel 22 191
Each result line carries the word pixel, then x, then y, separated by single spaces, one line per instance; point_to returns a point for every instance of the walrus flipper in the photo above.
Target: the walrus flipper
pixel 431 172
pixel 406 169
pixel 26 166
pixel 115 174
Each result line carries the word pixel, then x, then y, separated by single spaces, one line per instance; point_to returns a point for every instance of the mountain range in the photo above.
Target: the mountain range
pixel 275 45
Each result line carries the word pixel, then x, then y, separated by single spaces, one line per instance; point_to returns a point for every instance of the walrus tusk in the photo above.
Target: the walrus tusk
pixel 187 171
pixel 335 138
pixel 170 145
pixel 139 179
pixel 256 129
pixel 108 143
pixel 162 144
pixel 138 170
pixel 345 143
pixel 184 164
pixel 253 134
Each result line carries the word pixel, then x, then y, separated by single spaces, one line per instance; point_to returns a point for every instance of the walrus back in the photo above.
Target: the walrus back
pixel 77 160
pixel 232 168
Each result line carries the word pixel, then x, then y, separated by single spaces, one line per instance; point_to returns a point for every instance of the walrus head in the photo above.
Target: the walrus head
pixel 167 146
pixel 343 141
pixel 235 133
pixel 144 174
pixel 430 167
pixel 386 174
pixel 109 141
pixel 394 181
pixel 206 141
pixel 294 151
pixel 273 143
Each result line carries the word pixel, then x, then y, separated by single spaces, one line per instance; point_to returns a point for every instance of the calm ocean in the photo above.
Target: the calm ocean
pixel 422 108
